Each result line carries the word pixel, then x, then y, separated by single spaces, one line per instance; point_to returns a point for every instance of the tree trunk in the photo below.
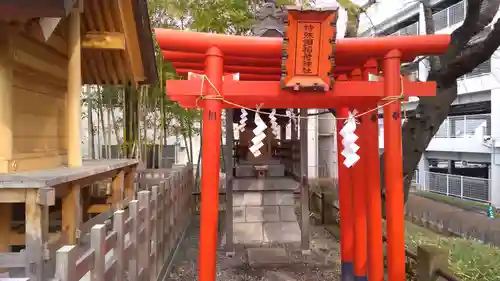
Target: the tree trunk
pixel 116 128
pixel 109 127
pixel 101 117
pixel 190 136
pixel 197 178
pixel 458 60
pixel 155 156
pixel 99 154
pixel 90 122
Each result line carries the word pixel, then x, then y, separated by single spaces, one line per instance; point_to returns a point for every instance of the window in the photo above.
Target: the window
pixel 456 13
pixel 450 16
pixel 409 30
pixel 440 19
pixel 481 69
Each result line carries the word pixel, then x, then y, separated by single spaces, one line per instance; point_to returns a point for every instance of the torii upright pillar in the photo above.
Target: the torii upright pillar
pixel 210 157
pixel 393 162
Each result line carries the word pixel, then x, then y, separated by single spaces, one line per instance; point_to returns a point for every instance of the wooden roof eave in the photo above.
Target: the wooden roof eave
pixel 145 36
pixel 117 43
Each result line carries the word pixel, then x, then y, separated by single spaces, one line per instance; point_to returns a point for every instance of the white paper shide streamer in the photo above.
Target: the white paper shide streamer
pixel 260 135
pixel 349 139
pixel 274 124
pixel 243 120
pixel 293 118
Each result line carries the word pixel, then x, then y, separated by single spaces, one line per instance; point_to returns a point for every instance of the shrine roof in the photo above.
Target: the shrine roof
pixel 117 44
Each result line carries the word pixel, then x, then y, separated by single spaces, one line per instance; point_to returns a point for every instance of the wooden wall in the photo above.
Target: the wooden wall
pixel 38 103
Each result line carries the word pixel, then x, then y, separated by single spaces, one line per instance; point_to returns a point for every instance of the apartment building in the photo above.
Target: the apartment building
pixel 463 158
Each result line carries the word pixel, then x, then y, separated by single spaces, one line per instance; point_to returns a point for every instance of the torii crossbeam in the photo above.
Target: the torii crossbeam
pixel 268 65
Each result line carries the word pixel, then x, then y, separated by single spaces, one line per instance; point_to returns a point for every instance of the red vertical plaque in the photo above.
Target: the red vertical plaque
pixel 308 50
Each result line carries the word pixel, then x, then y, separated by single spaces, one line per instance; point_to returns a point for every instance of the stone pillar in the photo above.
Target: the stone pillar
pixel 229 165
pixel 293 126
pixel 495 150
pixel 451 166
pixel 312 145
pixel 429 259
pixel 327 155
pixel 283 132
pixel 423 169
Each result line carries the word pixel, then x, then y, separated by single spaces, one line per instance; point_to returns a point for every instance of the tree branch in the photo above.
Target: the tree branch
pixel 471 58
pixel 353 13
pixel 479 14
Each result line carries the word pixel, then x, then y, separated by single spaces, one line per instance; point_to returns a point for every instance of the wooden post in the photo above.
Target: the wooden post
pixel 74 89
pixel 133 264
pixel 37 229
pixel 98 244
pixel 166 219
pixel 429 259
pixel 170 214
pixel 6 92
pixel 119 251
pixel 117 187
pixel 72 214
pixel 144 250
pixel 154 232
pixel 5 229
pixel 66 258
pixel 160 231
pixel 228 154
pixel 304 183
pixel 129 183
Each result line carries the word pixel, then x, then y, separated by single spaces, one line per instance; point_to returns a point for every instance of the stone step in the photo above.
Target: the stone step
pixel 278 276
pixel 268 184
pixel 268 257
pixel 264 214
pixel 266 232
pixel 273 170
pixel 269 198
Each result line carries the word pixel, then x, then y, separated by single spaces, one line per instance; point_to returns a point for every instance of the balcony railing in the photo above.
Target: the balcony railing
pixel 412 29
pixel 449 16
pixel 465 126
pixel 470 188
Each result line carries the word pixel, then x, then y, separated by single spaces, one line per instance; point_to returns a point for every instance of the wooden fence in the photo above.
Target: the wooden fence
pixel 428 264
pixel 136 242
pixel 142 240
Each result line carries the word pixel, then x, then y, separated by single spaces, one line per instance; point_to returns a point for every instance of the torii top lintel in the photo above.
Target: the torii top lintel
pixel 258 60
pixel 348 51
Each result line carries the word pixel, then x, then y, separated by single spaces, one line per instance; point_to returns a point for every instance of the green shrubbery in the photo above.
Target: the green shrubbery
pixel 469 259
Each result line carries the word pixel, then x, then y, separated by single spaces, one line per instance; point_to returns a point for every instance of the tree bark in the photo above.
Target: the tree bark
pixel 458 60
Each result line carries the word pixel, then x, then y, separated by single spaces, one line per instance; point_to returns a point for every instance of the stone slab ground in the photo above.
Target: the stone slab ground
pixel 322 264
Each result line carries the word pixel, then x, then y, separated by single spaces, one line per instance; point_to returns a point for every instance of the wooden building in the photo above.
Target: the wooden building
pixel 48 50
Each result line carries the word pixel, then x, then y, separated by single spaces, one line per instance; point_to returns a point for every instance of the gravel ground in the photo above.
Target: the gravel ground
pixel 322 265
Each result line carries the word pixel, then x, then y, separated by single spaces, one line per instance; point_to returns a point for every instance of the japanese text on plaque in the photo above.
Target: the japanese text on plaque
pixel 307 48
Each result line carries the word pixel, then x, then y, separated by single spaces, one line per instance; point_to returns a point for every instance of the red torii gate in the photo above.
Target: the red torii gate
pixel 258 60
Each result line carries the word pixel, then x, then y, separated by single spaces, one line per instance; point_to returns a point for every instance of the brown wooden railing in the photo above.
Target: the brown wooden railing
pixel 143 237
pixel 136 238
